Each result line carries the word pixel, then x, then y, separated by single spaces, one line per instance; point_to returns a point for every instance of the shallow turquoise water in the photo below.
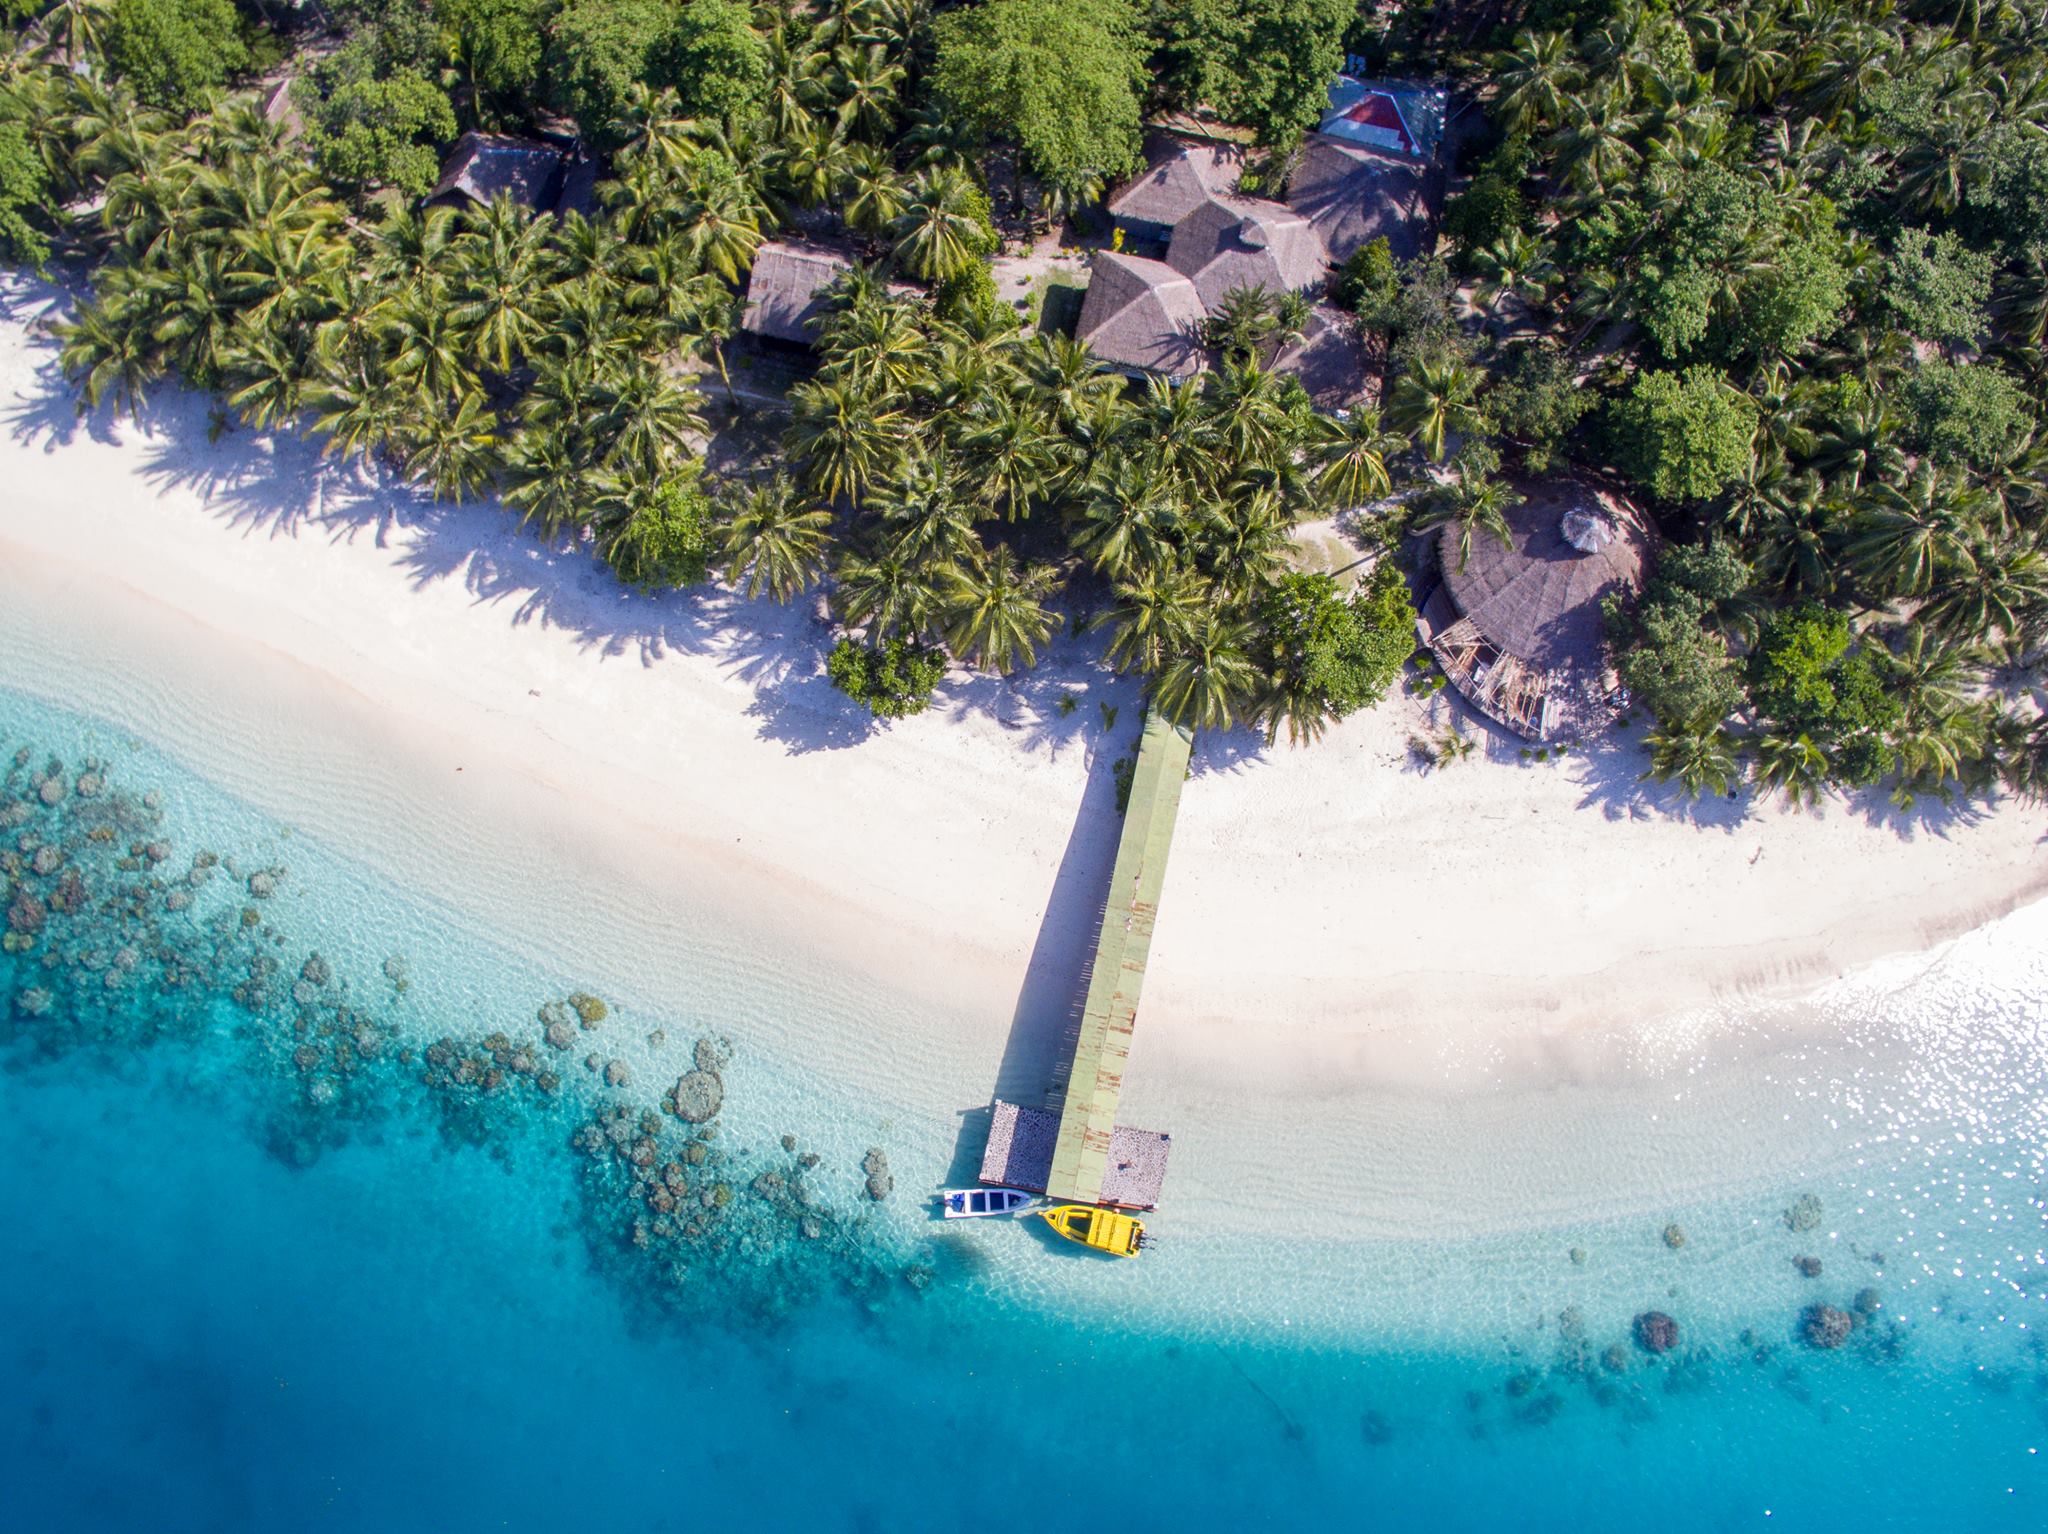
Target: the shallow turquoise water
pixel 262 1275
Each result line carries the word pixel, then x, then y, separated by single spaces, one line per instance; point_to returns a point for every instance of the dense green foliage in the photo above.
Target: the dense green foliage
pixel 1797 254
pixel 1265 63
pixel 24 195
pixel 894 679
pixel 172 52
pixel 1059 79
pixel 1780 266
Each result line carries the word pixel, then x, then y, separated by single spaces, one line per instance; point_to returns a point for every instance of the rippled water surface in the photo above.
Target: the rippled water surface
pixel 325 1210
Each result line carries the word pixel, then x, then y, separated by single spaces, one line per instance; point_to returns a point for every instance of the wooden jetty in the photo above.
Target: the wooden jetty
pixel 1082 1155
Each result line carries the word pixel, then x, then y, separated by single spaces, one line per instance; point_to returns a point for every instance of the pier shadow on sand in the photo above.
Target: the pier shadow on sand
pixel 1055 984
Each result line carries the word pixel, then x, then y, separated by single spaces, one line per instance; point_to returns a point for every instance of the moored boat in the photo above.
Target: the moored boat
pixel 1100 1230
pixel 979 1203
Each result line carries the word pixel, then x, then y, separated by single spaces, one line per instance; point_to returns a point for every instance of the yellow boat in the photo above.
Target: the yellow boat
pixel 1100 1230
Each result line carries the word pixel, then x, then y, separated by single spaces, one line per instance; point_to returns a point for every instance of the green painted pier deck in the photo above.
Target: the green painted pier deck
pixel 1081 1154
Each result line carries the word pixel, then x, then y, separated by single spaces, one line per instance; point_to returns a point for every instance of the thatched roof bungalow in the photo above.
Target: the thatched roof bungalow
pixel 483 167
pixel 1518 627
pixel 1143 316
pixel 786 291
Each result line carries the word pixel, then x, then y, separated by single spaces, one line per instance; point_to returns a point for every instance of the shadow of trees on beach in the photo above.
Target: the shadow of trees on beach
pixel 279 484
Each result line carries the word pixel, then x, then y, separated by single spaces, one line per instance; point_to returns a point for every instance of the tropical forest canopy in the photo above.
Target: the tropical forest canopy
pixel 1780 271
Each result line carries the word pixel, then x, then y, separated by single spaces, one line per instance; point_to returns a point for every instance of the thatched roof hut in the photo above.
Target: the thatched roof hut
pixel 1142 316
pixel 483 167
pixel 1518 626
pixel 786 291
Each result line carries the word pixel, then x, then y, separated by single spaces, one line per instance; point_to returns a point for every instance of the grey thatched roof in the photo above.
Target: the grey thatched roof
pixel 1353 196
pixel 786 289
pixel 1538 598
pixel 1142 314
pixel 1330 360
pixel 483 167
pixel 1243 242
pixel 1182 177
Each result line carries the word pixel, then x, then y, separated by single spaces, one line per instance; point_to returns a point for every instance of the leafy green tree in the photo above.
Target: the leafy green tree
pixel 716 60
pixel 24 198
pixel 1265 63
pixel 1671 654
pixel 1938 287
pixel 664 537
pixel 1797 299
pixel 1965 412
pixel 1327 656
pixel 895 678
pixel 498 46
pixel 1368 281
pixel 598 50
pixel 1536 401
pixel 173 52
pixel 369 132
pixel 1683 436
pixel 1806 678
pixel 1060 79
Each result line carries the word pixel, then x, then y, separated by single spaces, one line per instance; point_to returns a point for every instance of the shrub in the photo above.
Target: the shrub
pixel 894 679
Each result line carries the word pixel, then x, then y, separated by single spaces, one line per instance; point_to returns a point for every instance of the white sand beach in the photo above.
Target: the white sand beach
pixel 1361 921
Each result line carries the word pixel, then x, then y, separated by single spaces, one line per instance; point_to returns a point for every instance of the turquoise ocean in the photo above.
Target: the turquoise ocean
pixel 322 1209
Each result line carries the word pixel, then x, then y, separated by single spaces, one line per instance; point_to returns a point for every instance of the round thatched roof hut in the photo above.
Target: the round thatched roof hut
pixel 1518 626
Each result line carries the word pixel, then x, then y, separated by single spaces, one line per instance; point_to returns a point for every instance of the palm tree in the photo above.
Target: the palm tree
pixel 1128 522
pixel 1243 321
pixel 814 164
pixel 844 442
pixel 641 414
pixel 996 614
pixel 1474 503
pixel 548 483
pixel 456 451
pixel 874 192
pixel 1861 444
pixel 412 244
pixel 1350 452
pixel 721 216
pixel 1518 265
pixel 501 269
pixel 943 225
pixel 774 543
pixel 1699 753
pixel 1014 455
pixel 867 83
pixel 107 351
pixel 1905 535
pixel 1210 684
pixel 927 520
pixel 1435 400
pixel 1592 148
pixel 886 594
pixel 1536 78
pixel 1155 616
pixel 427 350
pixel 2000 590
pixel 1792 765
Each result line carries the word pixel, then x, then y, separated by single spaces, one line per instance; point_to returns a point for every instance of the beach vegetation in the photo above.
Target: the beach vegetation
pixel 1780 273
pixel 894 679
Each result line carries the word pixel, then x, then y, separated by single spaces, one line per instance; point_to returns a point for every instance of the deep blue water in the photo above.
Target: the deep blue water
pixel 271 1263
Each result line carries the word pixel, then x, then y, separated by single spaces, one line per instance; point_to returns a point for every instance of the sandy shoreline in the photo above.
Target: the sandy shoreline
pixel 1371 924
